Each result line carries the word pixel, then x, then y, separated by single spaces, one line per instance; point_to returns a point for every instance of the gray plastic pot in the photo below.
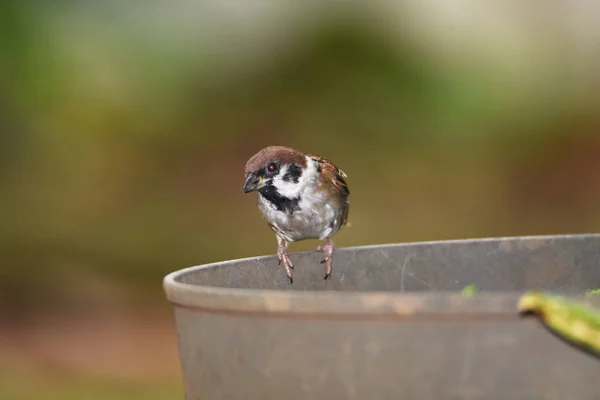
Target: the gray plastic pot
pixel 390 324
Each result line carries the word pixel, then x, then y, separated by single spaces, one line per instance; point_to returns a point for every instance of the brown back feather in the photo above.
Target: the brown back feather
pixel 333 174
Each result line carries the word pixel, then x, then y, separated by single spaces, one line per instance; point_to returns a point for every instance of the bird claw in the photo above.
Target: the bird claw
pixel 287 263
pixel 328 259
pixel 328 267
pixel 289 267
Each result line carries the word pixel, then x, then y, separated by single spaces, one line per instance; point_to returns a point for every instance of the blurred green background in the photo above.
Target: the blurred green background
pixel 125 127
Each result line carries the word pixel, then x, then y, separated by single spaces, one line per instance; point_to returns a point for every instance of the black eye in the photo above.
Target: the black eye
pixel 272 167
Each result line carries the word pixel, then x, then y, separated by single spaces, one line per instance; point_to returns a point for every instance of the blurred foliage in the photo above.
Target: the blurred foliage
pixel 126 125
pixel 19 388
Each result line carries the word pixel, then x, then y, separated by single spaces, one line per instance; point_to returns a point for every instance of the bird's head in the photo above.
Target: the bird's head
pixel 275 166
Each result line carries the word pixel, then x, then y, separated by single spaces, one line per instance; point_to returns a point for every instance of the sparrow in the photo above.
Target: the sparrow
pixel 301 196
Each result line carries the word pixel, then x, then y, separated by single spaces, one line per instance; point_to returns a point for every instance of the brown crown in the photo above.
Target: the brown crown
pixel 280 154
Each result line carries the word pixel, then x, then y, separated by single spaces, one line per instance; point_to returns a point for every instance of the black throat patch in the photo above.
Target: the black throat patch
pixel 285 204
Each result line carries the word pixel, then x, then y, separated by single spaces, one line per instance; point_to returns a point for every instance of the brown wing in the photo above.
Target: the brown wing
pixel 336 178
pixel 332 174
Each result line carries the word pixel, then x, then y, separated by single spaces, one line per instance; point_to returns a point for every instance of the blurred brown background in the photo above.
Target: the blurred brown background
pixel 125 126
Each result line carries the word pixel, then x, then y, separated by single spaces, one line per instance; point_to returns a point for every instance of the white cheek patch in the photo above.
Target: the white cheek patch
pixel 293 190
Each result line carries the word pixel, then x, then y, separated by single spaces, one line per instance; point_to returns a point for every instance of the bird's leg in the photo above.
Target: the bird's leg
pixel 283 257
pixel 328 260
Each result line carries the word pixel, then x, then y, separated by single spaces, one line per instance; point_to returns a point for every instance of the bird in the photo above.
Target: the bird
pixel 301 196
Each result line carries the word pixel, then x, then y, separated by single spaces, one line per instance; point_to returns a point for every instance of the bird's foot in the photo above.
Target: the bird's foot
pixel 328 259
pixel 287 263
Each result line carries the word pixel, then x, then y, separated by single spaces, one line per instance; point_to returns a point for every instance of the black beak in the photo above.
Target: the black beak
pixel 252 183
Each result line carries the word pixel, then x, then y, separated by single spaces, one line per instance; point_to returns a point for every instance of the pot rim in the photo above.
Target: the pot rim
pixel 352 304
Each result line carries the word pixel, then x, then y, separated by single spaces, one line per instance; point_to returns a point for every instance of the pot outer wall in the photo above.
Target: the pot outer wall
pixel 390 324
